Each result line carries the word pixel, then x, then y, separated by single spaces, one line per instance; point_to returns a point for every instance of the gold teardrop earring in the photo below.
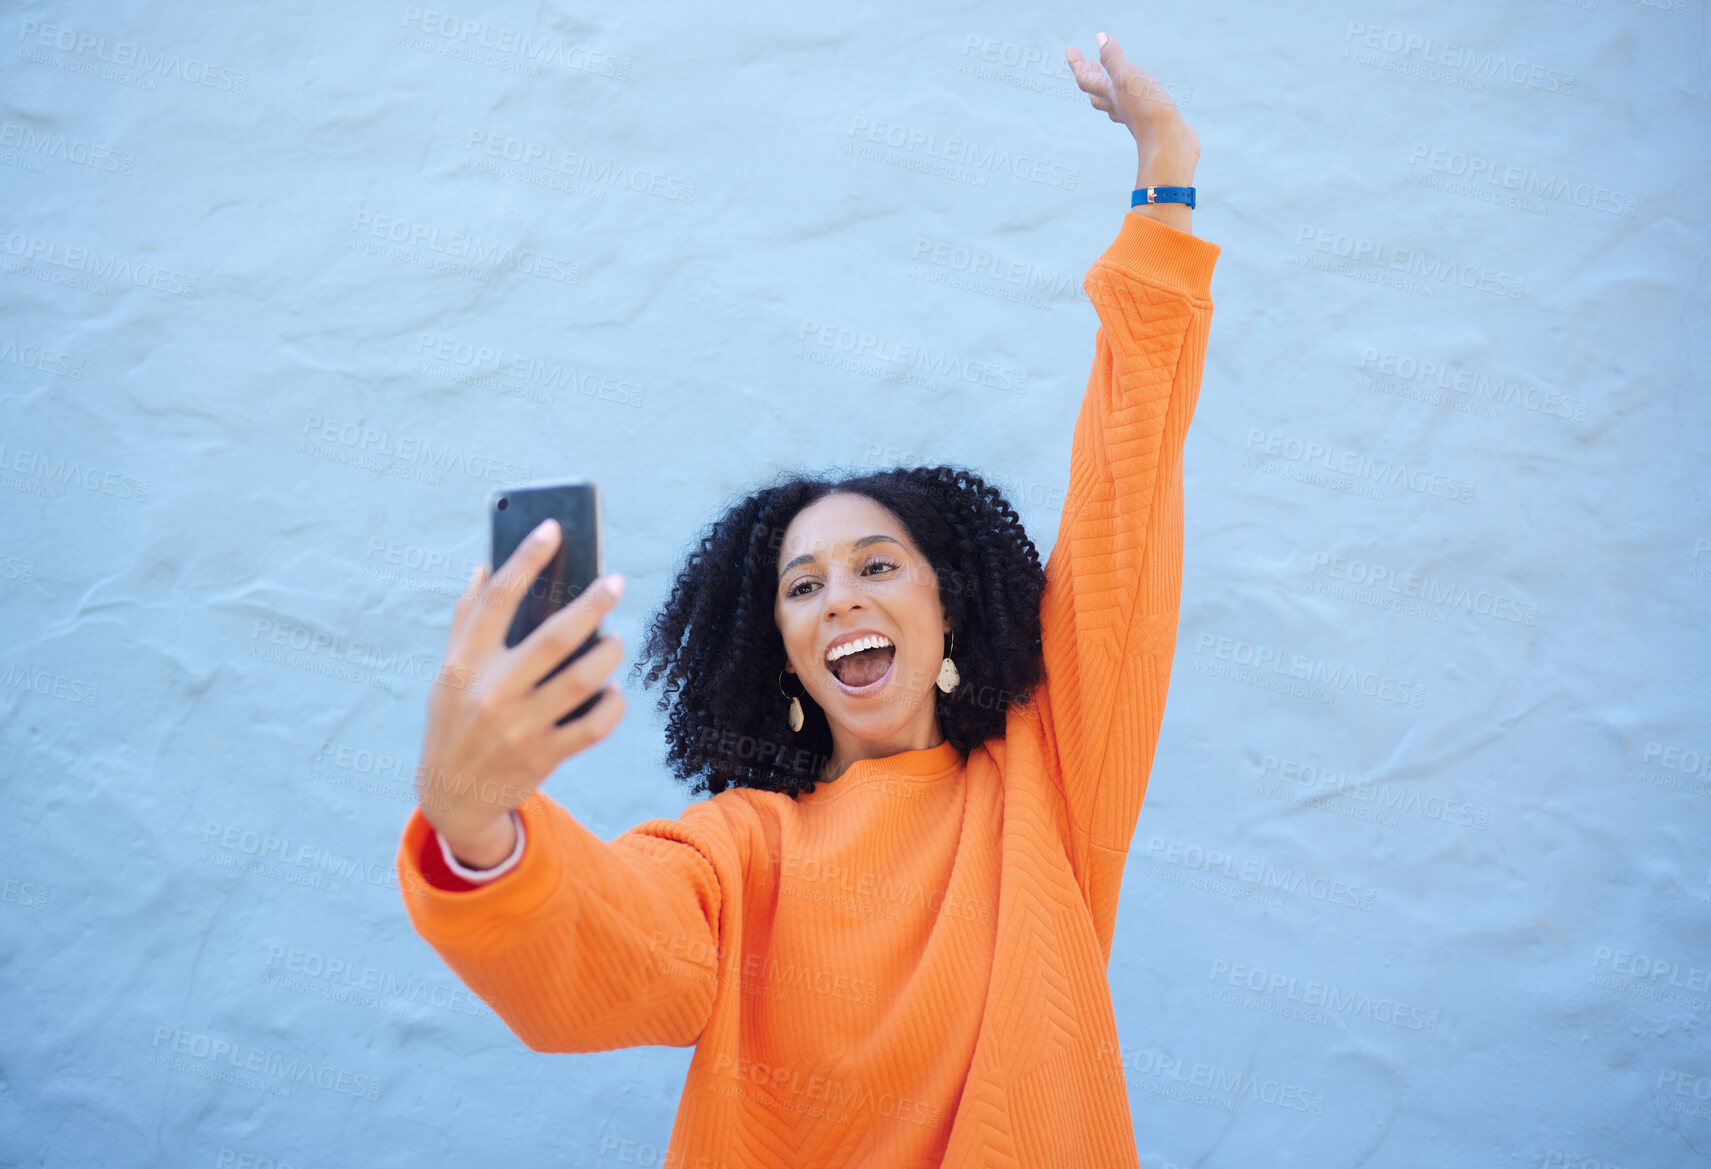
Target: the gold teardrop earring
pixel 795 704
pixel 949 679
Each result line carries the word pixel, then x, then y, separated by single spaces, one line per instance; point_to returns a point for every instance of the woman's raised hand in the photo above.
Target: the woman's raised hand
pixel 492 736
pixel 1168 147
pixel 1132 98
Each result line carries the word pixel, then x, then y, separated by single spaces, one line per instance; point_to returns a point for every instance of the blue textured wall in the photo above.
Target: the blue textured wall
pixel 1426 854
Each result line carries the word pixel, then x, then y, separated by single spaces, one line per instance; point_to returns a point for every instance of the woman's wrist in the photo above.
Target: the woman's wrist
pixel 486 849
pixel 1166 168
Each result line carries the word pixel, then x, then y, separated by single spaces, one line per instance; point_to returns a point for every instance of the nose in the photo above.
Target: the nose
pixel 840 595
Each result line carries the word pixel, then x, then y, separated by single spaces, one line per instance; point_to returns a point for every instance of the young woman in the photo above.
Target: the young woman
pixel 886 930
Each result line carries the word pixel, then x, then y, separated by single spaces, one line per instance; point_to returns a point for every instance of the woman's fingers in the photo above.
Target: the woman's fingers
pixel 467 602
pixel 576 683
pixel 537 654
pixel 1126 92
pixel 1138 97
pixel 499 599
pixel 1093 81
pixel 1089 76
pixel 581 733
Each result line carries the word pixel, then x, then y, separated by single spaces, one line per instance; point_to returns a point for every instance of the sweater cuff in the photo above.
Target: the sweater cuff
pixel 1161 254
pixel 443 906
pixel 482 876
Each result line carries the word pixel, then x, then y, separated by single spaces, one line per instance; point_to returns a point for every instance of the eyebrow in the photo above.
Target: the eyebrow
pixel 808 557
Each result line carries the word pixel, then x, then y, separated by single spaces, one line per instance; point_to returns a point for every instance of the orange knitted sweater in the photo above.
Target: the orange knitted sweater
pixel 907 966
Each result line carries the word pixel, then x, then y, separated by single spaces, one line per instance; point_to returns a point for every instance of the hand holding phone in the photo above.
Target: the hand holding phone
pixel 495 727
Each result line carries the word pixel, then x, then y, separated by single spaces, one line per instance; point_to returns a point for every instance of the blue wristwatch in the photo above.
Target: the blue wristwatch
pixel 1162 195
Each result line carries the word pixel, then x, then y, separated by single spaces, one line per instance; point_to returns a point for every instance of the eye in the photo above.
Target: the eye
pixel 800 587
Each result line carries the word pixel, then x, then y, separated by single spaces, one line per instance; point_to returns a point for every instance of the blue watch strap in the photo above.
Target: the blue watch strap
pixel 1162 195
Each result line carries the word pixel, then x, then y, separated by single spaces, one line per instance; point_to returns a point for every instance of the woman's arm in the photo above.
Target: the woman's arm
pixel 1113 580
pixel 582 945
pixel 585 945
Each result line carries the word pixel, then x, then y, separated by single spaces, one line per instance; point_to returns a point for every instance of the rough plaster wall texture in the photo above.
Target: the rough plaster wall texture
pixel 288 287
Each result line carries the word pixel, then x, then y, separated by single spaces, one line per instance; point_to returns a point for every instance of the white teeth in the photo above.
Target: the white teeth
pixel 871 641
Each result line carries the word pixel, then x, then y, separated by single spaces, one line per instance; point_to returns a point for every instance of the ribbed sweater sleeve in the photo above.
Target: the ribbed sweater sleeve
pixel 586 945
pixel 1113 580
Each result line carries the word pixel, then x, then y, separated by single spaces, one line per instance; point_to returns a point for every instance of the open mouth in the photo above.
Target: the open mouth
pixel 863 671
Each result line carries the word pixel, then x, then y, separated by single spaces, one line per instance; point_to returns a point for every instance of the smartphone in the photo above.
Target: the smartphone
pixel 514 512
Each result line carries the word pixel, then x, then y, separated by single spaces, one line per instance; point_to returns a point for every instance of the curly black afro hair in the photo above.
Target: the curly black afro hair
pixel 717 647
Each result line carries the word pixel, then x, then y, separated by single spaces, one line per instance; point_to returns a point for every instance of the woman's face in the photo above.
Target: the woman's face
pixel 847 566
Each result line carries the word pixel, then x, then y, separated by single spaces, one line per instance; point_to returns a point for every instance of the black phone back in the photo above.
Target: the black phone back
pixel 514 512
